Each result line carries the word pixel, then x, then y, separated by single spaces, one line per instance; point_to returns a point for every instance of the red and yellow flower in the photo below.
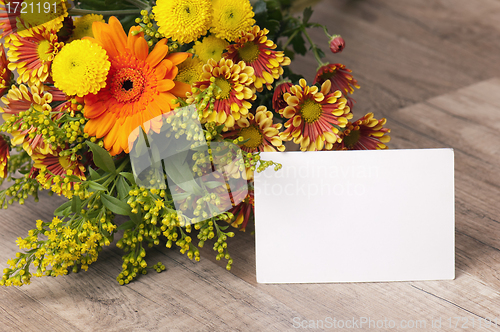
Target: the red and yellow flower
pixel 54 170
pixel 243 212
pixel 340 77
pixel 140 85
pixel 4 156
pixel 233 90
pixel 366 133
pixel 5 73
pixel 279 91
pixel 257 51
pixel 8 17
pixel 32 53
pixel 258 132
pixel 21 99
pixel 315 117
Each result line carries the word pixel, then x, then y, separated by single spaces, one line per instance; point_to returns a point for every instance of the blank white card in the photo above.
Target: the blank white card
pixel 356 216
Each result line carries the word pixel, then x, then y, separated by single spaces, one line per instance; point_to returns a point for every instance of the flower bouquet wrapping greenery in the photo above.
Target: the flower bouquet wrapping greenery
pixel 156 111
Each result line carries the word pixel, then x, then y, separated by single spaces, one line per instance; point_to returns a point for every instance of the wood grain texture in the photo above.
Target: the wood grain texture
pixel 429 67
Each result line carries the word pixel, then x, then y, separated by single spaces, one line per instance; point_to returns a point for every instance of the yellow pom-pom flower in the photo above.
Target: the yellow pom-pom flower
pixel 231 17
pixel 83 25
pixel 183 20
pixel 190 71
pixel 210 47
pixel 80 68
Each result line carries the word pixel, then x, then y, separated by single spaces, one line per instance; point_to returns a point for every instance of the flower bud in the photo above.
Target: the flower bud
pixel 337 44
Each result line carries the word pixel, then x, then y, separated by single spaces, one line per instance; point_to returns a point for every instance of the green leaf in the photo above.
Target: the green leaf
pixel 63 209
pixel 76 204
pixel 73 178
pixel 126 225
pixel 307 15
pixel 115 205
pixel 299 44
pixel 273 26
pixel 96 186
pixel 93 174
pixel 122 187
pixel 102 158
pixel 129 176
pixel 180 173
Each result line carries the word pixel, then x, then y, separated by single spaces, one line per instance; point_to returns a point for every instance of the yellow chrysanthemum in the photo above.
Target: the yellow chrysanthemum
pixel 32 53
pixel 80 68
pixel 83 25
pixel 210 47
pixel 183 20
pixel 233 90
pixel 231 17
pixel 39 13
pixel 190 71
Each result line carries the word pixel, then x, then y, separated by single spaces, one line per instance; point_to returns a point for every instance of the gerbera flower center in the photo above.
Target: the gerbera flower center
pixel 353 138
pixel 311 111
pixel 43 50
pixel 249 52
pixel 224 86
pixel 253 135
pixel 127 85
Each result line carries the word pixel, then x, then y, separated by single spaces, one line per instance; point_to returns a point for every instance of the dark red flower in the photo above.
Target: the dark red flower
pixel 339 75
pixel 278 101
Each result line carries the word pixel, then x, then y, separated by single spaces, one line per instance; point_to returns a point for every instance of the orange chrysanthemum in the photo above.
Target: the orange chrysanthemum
pixel 140 85
pixel 366 133
pixel 258 131
pixel 233 90
pixel 54 170
pixel 33 53
pixel 314 116
pixel 4 156
pixel 256 50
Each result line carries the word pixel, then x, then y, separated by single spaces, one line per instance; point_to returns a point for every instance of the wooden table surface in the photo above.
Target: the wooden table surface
pixel 430 67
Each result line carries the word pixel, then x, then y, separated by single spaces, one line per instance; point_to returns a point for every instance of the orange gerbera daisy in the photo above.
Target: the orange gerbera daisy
pixel 256 50
pixel 54 169
pixel 32 54
pixel 140 85
pixel 258 132
pixel 314 116
pixel 232 86
pixel 4 156
pixel 366 133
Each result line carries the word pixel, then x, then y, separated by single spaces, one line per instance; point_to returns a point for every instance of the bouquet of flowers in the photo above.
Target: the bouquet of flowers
pixel 156 111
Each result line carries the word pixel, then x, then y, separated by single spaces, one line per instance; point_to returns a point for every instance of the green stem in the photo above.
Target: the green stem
pixel 314 48
pixel 139 4
pixel 78 11
pixel 290 39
